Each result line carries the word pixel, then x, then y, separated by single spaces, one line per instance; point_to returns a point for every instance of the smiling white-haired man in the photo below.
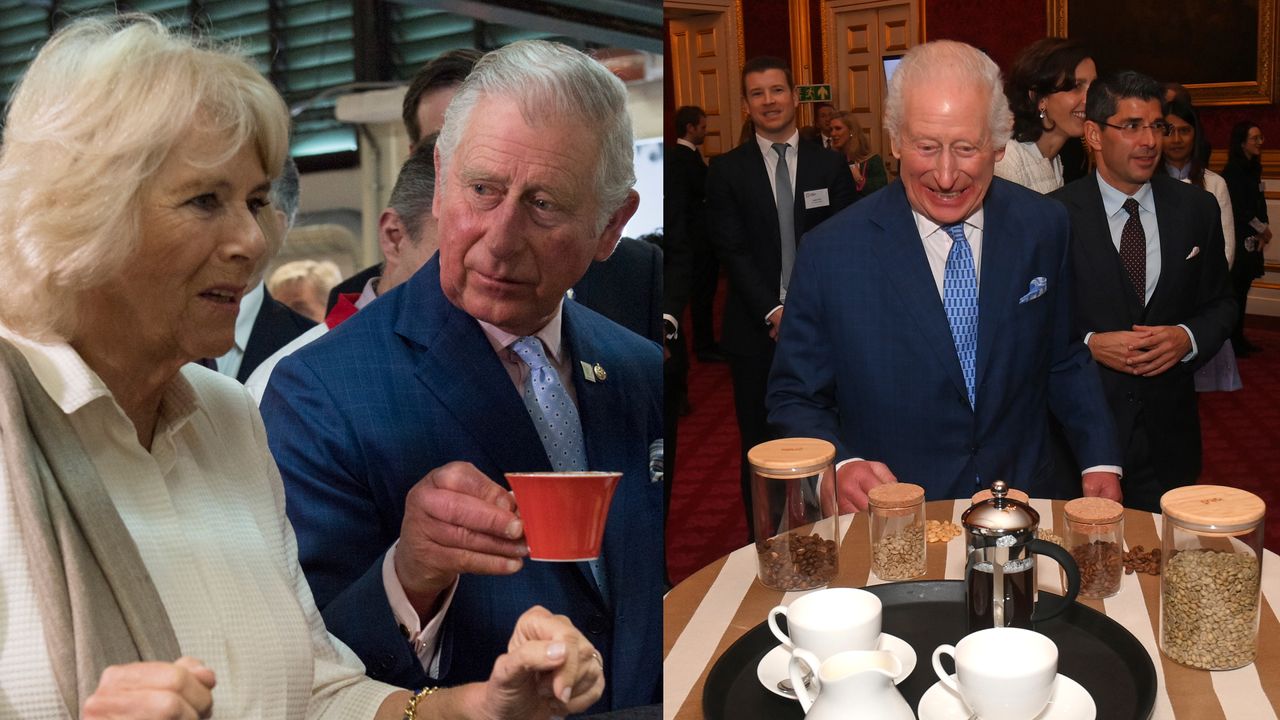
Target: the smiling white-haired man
pixel 927 331
pixel 394 470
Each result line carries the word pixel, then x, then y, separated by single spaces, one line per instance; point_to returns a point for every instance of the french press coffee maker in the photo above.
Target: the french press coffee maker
pixel 1000 572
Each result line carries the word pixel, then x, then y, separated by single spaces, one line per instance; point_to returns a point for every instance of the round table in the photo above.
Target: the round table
pixel 717 605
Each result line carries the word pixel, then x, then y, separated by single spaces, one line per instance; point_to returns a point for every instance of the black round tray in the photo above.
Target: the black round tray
pixel 1094 650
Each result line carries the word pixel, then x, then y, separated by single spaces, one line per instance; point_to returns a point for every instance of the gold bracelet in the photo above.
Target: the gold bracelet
pixel 411 710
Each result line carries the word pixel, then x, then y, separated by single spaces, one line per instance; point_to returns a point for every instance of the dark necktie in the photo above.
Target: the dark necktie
pixel 1133 250
pixel 786 213
pixel 960 300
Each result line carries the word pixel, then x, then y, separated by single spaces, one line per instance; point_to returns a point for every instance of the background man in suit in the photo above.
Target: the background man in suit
pixel 762 196
pixel 264 324
pixel 686 174
pixel 1154 297
pixel 927 331
pixel 393 432
pixel 820 130
pixel 407 236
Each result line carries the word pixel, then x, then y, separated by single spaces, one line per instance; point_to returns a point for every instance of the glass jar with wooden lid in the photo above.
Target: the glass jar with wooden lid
pixel 1095 538
pixel 1210 576
pixel 795 521
pixel 897 530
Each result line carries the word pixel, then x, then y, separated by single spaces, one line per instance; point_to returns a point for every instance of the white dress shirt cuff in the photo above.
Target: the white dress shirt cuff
pixel 769 314
pixel 1195 349
pixel 675 324
pixel 424 640
pixel 1104 468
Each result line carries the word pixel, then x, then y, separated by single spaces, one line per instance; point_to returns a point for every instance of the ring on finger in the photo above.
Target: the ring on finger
pixel 596 654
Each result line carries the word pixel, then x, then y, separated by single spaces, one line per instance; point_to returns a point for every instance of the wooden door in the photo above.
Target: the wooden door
pixel 861 35
pixel 700 44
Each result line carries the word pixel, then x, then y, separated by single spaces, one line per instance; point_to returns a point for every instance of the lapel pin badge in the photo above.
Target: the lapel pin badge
pixel 600 373
pixel 587 371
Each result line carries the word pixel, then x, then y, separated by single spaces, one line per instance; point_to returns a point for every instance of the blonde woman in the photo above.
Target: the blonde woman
pixel 146 566
pixel 867 167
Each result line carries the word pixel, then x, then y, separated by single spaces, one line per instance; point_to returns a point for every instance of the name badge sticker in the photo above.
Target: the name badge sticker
pixel 816 199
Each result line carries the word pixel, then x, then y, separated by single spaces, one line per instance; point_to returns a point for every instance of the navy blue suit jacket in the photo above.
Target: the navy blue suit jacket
pixel 410 383
pixel 866 358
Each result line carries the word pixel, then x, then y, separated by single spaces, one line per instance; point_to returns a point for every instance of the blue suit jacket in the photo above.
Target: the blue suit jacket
pixel 410 383
pixel 866 358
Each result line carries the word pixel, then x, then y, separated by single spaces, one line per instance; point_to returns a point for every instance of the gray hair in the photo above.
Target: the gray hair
pixel 103 104
pixel 415 188
pixel 943 60
pixel 552 82
pixel 284 193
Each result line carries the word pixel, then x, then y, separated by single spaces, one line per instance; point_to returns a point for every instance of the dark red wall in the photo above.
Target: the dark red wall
pixel 1003 27
pixel 766 28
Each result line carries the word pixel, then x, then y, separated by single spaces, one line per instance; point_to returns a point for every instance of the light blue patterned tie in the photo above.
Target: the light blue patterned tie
pixel 556 418
pixel 960 299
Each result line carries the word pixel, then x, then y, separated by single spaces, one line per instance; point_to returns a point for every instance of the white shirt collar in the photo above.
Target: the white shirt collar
pixel 369 293
pixel 927 227
pixel 766 145
pixel 72 384
pixel 688 144
pixel 549 335
pixel 1113 199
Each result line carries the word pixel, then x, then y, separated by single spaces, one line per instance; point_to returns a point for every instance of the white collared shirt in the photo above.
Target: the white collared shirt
pixel 937 244
pixel 250 305
pixel 205 509
pixel 770 158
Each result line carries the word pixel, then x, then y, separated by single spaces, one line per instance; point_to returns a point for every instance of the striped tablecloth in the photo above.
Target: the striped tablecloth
pixel 714 607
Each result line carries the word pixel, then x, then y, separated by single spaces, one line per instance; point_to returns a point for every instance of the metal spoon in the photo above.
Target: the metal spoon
pixel 785 687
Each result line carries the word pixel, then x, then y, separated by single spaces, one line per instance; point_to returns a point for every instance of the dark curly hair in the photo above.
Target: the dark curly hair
pixel 1044 67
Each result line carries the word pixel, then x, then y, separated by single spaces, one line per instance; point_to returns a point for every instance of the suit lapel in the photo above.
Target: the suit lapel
pixel 1001 257
pixel 806 179
pixel 600 404
pixel 458 365
pixel 1173 246
pixel 907 268
pixel 1094 237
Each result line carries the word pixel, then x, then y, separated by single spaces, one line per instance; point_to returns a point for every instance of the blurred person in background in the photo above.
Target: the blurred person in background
pixel 1243 173
pixel 149 571
pixel 1046 90
pixel 866 166
pixel 1185 151
pixel 303 285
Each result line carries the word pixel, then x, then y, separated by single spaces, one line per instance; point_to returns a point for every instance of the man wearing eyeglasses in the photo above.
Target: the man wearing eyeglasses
pixel 1151 294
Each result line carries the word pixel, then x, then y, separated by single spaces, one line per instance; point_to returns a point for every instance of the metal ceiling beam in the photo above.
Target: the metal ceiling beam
pixel 586 25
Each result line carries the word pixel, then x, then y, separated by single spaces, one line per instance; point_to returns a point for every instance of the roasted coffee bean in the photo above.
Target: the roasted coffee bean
pixel 1100 563
pixel 797 562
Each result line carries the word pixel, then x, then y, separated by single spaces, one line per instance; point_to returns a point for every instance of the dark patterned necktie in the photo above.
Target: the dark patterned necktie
pixel 1133 250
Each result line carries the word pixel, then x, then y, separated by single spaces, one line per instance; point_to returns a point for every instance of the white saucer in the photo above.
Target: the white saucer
pixel 1070 701
pixel 773 666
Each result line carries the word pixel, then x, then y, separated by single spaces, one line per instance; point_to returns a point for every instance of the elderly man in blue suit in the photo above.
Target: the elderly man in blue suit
pixel 393 431
pixel 928 329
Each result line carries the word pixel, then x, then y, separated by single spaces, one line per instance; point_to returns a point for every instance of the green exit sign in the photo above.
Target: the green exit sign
pixel 814 93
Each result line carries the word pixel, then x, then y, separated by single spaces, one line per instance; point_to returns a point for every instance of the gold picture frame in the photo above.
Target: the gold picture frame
pixel 1208 48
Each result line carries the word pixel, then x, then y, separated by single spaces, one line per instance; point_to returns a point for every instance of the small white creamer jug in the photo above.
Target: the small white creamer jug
pixel 851 684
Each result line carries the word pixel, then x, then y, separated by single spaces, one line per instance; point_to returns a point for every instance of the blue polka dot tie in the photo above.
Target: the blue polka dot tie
pixel 553 413
pixel 556 418
pixel 960 299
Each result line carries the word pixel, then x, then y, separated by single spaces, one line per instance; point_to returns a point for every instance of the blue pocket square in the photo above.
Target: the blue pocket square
pixel 1034 290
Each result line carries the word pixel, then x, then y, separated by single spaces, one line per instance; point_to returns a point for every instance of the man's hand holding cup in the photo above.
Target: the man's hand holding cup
pixel 456 520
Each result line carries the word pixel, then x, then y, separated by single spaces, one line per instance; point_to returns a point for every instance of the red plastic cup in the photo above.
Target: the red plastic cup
pixel 564 512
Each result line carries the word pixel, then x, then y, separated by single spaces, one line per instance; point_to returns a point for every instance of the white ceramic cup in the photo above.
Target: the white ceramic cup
pixel 829 621
pixel 1002 673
